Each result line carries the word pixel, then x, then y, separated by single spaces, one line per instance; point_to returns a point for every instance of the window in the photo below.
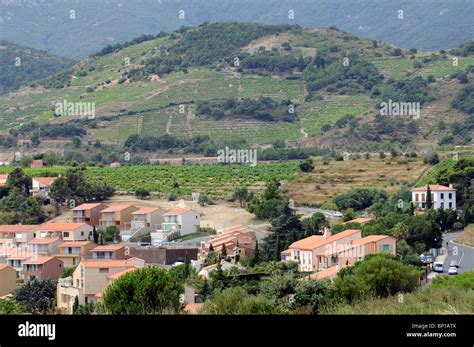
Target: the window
pixel 442 195
pixel 82 233
pixel 104 270
pixel 450 195
pixel 450 205
pixel 66 234
pixel 385 248
pixel 442 205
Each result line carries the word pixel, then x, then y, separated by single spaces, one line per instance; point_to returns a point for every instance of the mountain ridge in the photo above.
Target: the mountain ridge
pixel 426 24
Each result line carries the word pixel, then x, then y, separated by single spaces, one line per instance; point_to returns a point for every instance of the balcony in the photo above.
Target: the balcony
pixel 78 219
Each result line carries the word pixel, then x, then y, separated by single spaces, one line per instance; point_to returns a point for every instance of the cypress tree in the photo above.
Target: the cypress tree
pixel 256 255
pixel 76 305
pixel 277 256
pixel 429 201
pixel 224 252
pixel 95 235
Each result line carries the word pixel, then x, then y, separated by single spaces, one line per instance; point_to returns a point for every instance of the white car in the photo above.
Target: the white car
pixel 453 263
pixel 438 267
pixel 453 270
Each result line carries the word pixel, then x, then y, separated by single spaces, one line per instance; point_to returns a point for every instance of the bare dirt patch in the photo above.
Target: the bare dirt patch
pixel 269 42
pixel 221 215
pixel 338 177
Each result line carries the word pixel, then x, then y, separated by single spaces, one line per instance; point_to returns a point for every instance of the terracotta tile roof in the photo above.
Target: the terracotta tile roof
pixel 107 248
pixel 326 273
pixel 177 211
pixel 286 251
pixel 4 266
pixel 99 294
pixel 60 226
pixel 86 206
pixel 75 244
pixel 99 263
pixel 121 273
pixel 144 210
pixel 360 220
pixel 116 208
pixel 45 181
pixel 433 187
pixel 45 240
pixel 371 238
pixel 243 228
pixel 16 228
pixel 3 176
pixel 316 241
pixel 38 260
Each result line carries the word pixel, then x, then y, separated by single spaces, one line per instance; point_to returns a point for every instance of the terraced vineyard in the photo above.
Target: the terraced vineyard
pixel 154 105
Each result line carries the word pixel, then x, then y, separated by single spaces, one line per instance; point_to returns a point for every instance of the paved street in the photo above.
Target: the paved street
pixel 464 255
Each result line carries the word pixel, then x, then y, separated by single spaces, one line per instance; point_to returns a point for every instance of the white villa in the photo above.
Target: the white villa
pixel 441 196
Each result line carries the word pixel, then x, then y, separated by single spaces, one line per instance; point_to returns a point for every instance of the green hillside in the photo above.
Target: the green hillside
pixel 249 82
pixel 21 65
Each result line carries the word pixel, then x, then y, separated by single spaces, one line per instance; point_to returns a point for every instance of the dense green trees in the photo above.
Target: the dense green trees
pixel 17 207
pixel 359 198
pixel 378 275
pixel 263 109
pixel 307 165
pixel 267 205
pixel 148 290
pixel 17 179
pixel 37 296
pixel 74 187
pixel 410 90
pixel 357 75
pixel 237 301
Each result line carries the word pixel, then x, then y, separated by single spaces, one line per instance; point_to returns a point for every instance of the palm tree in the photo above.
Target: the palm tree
pixel 400 231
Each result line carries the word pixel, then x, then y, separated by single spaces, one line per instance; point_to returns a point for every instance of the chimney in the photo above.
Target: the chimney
pixel 450 185
pixel 327 232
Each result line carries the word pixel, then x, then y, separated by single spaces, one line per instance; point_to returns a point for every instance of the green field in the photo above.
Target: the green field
pixel 214 180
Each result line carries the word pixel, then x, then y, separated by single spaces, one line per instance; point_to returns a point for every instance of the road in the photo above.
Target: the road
pixel 464 255
pixel 310 210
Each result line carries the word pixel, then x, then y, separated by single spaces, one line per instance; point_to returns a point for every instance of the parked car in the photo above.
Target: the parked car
pixel 438 267
pixel 453 263
pixel 453 270
pixel 428 259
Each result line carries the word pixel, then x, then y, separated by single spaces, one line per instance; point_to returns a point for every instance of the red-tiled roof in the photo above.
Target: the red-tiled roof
pixel 121 273
pixel 370 238
pixel 60 226
pixel 16 228
pixel 86 207
pixel 433 187
pixel 38 260
pixel 99 263
pixel 177 211
pixel 45 181
pixel 107 248
pixel 316 241
pixel 75 244
pixel 45 240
